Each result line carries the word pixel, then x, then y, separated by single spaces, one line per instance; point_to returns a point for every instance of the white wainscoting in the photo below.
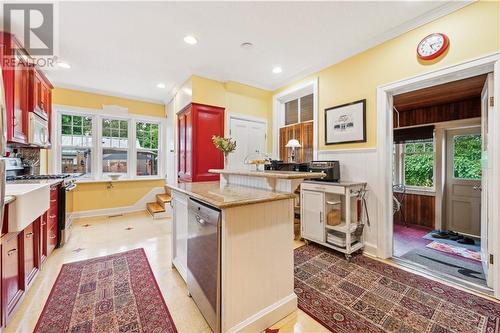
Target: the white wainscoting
pixel 361 165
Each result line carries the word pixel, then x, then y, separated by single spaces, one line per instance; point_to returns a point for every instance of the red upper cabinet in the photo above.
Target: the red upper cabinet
pixel 40 98
pixel 197 123
pixel 26 89
pixel 16 72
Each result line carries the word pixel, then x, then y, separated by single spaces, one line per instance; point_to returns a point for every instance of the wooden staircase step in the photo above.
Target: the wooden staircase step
pixel 164 198
pixel 155 208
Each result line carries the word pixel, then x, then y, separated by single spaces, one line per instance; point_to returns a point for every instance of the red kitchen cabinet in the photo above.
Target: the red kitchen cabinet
pixel 40 101
pixel 12 273
pixel 52 215
pixel 43 237
pixel 16 75
pixel 197 123
pixel 31 251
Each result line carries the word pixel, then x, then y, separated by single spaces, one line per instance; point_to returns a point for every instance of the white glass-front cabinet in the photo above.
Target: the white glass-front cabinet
pixel 312 215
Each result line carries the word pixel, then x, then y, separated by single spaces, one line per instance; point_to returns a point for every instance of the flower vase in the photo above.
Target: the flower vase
pixel 226 161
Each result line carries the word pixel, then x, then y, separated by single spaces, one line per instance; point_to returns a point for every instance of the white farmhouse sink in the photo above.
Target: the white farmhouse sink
pixel 32 200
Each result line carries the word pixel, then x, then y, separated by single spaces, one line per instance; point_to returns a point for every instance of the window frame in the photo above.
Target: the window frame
pixel 147 150
pixel 97 115
pixel 399 168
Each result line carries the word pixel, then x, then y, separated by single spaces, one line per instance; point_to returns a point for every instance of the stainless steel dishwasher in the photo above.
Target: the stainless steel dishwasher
pixel 203 260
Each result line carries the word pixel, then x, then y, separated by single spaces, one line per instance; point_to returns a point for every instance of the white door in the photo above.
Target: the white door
pixel 485 169
pixel 463 180
pixel 312 215
pixel 250 136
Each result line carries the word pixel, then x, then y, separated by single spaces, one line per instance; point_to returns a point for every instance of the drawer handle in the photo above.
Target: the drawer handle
pixel 53 236
pixel 11 252
pixel 44 223
pixel 29 234
pixel 52 216
pixel 53 200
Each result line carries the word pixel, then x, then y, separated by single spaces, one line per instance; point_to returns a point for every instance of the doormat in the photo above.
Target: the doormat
pixel 456 250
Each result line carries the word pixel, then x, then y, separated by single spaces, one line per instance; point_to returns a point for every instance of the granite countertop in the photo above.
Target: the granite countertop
pixel 270 174
pixel 51 182
pixel 9 199
pixel 228 195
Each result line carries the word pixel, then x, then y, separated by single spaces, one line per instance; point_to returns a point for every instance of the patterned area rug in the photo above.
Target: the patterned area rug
pixel 456 250
pixel 116 293
pixel 367 295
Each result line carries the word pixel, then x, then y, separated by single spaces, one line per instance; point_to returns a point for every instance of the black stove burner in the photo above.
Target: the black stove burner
pixel 35 177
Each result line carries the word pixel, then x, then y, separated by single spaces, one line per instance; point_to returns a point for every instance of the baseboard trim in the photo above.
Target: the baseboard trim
pixel 267 316
pixel 139 206
pixel 370 249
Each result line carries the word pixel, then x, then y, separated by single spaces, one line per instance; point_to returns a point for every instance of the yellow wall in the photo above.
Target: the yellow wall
pixel 235 98
pixel 83 99
pixel 474 31
pixel 92 196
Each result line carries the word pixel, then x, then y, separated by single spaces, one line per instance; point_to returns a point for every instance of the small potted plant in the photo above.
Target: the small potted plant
pixel 225 145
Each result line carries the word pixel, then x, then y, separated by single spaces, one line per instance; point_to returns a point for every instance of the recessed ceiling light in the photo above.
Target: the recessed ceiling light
pixel 161 85
pixel 191 40
pixel 277 70
pixel 246 45
pixel 63 64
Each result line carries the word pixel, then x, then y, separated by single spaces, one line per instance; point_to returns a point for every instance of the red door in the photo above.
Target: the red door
pixel 30 252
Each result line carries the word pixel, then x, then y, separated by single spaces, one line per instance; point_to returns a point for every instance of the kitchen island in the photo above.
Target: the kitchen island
pixel 255 252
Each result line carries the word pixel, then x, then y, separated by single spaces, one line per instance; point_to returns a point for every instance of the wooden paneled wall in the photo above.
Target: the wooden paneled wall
pixel 470 108
pixel 419 210
pixel 302 132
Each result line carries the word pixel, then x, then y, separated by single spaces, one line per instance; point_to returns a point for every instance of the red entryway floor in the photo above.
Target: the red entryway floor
pixel 407 238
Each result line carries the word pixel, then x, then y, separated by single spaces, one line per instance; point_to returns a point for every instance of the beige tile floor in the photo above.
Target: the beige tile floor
pixel 105 236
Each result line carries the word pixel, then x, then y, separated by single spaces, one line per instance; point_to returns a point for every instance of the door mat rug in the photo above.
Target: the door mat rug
pixel 455 250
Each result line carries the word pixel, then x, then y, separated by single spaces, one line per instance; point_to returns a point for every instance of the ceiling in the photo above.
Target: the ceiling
pixel 126 48
pixel 450 92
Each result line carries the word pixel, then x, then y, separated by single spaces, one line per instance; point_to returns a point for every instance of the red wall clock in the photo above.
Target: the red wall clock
pixel 432 46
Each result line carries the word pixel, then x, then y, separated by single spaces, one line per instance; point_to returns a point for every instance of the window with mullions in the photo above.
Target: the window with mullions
pixel 418 163
pixel 76 144
pixel 114 145
pixel 147 148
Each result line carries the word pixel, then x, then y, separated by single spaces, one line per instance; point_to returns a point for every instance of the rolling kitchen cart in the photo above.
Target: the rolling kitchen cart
pixel 334 214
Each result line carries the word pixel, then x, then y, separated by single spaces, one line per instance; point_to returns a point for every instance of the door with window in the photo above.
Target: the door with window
pixel 250 136
pixel 463 180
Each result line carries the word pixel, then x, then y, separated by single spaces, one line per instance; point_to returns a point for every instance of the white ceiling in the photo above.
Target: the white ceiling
pixel 126 48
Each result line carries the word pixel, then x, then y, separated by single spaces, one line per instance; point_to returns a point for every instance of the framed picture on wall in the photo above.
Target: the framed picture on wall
pixel 346 123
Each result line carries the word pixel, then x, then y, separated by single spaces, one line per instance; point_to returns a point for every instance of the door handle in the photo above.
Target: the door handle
pixel 320 217
pixel 478 188
pixel 11 252
pixel 199 220
pixel 28 235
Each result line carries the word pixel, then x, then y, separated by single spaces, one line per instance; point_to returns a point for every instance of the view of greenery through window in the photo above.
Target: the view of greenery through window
pixel 467 156
pixel 419 164
pixel 76 125
pixel 147 135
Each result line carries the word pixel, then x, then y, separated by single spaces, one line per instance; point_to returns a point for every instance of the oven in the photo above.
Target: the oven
pixel 65 220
